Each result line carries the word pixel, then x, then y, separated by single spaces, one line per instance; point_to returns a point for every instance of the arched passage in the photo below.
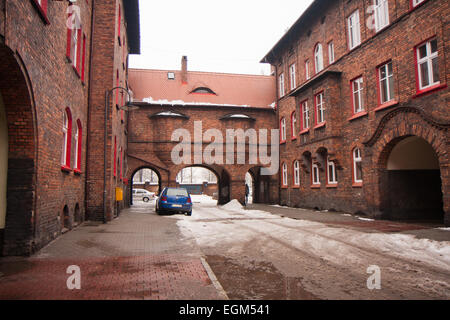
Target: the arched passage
pixel 17 157
pixel 410 185
pixel 250 187
pixel 202 182
pixel 147 178
pixel 261 188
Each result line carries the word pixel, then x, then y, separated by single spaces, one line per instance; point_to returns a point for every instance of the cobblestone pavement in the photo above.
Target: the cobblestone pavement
pixel 137 256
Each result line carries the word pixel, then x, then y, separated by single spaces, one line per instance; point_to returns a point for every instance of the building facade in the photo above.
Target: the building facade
pixel 47 50
pixel 363 108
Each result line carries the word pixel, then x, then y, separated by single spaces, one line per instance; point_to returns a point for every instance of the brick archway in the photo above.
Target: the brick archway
pixel 21 217
pixel 131 184
pixel 394 127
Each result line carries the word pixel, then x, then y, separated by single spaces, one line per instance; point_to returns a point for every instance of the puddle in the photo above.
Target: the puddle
pixel 256 281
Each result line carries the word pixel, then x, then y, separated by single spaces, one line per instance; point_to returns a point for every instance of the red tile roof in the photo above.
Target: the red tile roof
pixel 230 89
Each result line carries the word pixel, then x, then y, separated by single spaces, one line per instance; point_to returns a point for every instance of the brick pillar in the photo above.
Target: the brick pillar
pixel 238 190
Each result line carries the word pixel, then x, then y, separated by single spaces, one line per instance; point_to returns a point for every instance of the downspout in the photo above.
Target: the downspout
pixel 91 54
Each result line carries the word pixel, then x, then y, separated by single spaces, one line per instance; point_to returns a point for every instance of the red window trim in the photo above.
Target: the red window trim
pixel 79 144
pixel 303 130
pixel 316 114
pixel 413 7
pixel 42 9
pixel 294 185
pixel 119 23
pixel 293 132
pixel 66 166
pixel 416 67
pixel 355 114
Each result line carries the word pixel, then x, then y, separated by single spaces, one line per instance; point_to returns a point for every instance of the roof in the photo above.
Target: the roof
pixel 299 26
pixel 154 87
pixel 131 8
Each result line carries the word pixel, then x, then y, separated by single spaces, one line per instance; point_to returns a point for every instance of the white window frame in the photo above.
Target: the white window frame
pixel 318 58
pixel 331 52
pixel 357 158
pixel 281 84
pixel 77 142
pixel 315 178
pixel 332 178
pixel 292 76
pixel 283 129
pixel 74 46
pixel 305 115
pixel 284 174
pixel 381 14
pixel 354 30
pixel 293 124
pixel 428 60
pixel 385 81
pixel 296 167
pixel 415 3
pixel 307 74
pixel 320 108
pixel 65 138
pixel 358 95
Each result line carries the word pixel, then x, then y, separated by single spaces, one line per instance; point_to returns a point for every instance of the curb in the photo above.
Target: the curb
pixel 213 279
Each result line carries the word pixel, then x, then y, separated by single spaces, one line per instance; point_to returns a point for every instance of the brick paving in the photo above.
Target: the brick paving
pixel 138 256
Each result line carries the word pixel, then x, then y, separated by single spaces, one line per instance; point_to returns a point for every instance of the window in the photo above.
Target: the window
pixel 305 115
pixel 67 139
pixel 283 130
pixel 119 20
pixel 293 125
pixel 200 90
pixel 427 64
pixel 307 69
pixel 354 32
pixel 292 76
pixel 320 108
pixel 117 85
pixel 357 95
pixel 171 75
pixel 331 173
pixel 357 167
pixel 281 84
pixel 381 14
pixel 78 146
pixel 121 163
pixel 42 6
pixel 73 49
pixel 115 156
pixel 386 85
pixel 318 58
pixel 296 167
pixel 417 2
pixel 83 59
pixel 315 174
pixel 331 52
pixel 284 175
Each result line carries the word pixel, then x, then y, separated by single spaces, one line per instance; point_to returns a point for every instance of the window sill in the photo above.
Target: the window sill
pixel 333 185
pixel 358 115
pixel 284 187
pixel 315 186
pixel 304 131
pixel 77 172
pixel 283 142
pixel 320 125
pixel 293 138
pixel 66 168
pixel 386 105
pixel 357 185
pixel 295 187
pixel 431 89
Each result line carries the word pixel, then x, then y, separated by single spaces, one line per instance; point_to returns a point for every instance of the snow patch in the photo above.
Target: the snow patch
pixel 365 219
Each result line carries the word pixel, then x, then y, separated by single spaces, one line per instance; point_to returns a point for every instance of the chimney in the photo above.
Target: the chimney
pixel 184 70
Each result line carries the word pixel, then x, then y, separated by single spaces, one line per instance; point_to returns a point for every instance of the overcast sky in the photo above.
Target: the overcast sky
pixel 229 36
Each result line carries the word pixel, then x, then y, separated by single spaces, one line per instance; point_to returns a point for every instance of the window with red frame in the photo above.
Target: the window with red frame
pixel 119 20
pixel 67 139
pixel 305 115
pixel 415 3
pixel 42 8
pixel 358 95
pixel 320 108
pixel 284 178
pixel 293 125
pixel 78 146
pixel 296 169
pixel 427 64
pixel 283 130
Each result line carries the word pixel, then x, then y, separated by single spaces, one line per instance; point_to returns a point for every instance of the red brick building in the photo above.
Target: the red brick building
pixel 46 110
pixel 363 104
pixel 170 100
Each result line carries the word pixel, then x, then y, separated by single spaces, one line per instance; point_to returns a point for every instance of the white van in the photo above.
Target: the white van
pixel 142 194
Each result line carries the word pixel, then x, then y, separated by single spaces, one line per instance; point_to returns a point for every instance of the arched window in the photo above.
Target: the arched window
pixel 357 166
pixel 284 179
pixel 318 58
pixel 296 167
pixel 293 125
pixel 283 130
pixel 203 90
pixel 67 139
pixel 78 146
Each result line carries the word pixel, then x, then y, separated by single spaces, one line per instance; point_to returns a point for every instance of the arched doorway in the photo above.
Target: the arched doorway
pixel 201 182
pixel 144 178
pixel 18 217
pixel 410 184
pixel 250 186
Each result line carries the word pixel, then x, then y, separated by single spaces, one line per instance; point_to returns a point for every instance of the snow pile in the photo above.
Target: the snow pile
pixel 204 199
pixel 233 205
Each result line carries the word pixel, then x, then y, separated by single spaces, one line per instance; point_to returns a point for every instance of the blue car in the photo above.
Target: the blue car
pixel 174 200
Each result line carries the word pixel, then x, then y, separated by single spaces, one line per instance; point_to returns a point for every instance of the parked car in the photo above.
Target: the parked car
pixel 174 200
pixel 142 194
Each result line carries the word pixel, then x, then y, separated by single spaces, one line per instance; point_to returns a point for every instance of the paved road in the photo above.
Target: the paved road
pixel 261 255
